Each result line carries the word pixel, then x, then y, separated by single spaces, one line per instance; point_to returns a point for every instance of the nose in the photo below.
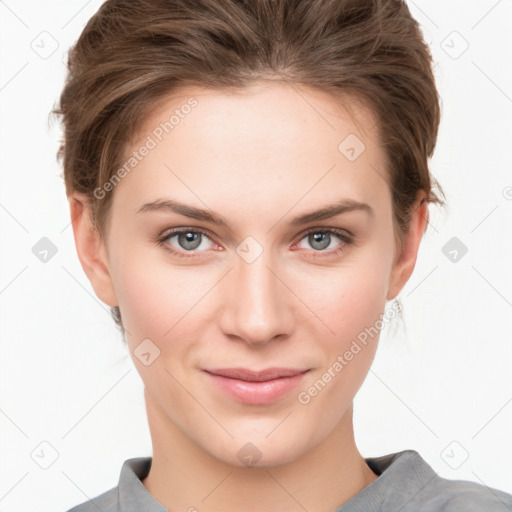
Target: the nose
pixel 257 304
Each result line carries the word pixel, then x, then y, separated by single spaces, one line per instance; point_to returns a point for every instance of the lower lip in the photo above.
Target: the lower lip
pixel 256 393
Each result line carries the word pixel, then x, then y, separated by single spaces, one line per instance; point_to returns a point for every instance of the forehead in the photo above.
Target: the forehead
pixel 262 106
pixel 270 138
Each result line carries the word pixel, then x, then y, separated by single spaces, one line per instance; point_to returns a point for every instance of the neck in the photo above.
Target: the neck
pixel 185 477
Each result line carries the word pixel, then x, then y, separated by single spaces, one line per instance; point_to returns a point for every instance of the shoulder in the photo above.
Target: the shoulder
pixel 128 495
pixel 446 495
pixel 106 502
pixel 409 484
pixel 412 484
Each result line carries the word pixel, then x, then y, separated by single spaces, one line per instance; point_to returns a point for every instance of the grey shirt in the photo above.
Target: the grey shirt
pixel 406 483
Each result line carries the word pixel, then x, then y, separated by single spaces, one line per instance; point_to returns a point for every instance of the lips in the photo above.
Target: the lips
pixel 256 387
pixel 256 376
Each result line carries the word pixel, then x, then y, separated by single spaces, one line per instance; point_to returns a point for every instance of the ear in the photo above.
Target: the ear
pixel 91 249
pixel 406 260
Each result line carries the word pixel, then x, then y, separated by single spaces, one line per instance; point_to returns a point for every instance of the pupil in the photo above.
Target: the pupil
pixel 321 238
pixel 189 240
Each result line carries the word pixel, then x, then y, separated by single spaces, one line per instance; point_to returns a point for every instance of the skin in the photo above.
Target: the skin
pixel 259 158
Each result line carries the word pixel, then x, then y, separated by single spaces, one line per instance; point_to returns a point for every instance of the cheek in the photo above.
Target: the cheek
pixel 351 297
pixel 160 300
pixel 147 292
pixel 352 307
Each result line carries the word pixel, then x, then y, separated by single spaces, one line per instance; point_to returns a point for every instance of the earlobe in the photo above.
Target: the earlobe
pixel 405 263
pixel 90 249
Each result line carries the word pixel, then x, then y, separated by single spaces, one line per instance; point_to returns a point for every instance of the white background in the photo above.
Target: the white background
pixel 66 378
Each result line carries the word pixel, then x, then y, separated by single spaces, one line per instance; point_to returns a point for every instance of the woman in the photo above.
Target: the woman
pixel 249 186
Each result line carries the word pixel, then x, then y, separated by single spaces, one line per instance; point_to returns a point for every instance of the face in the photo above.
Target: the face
pixel 237 272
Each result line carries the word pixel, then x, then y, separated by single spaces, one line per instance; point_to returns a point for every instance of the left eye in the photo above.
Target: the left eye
pixel 320 240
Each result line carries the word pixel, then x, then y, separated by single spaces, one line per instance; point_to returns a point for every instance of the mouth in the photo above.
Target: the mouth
pixel 256 387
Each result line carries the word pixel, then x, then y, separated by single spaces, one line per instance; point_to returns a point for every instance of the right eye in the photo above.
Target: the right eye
pixel 188 240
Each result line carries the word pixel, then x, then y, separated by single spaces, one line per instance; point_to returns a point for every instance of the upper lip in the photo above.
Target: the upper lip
pixel 257 375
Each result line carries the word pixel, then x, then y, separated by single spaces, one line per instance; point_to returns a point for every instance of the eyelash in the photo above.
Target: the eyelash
pixel 345 238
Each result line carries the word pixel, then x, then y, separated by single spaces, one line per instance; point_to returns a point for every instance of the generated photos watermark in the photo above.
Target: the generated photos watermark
pixel 151 142
pixel 304 397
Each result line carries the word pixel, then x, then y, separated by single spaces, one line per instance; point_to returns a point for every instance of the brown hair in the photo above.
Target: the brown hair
pixel 133 54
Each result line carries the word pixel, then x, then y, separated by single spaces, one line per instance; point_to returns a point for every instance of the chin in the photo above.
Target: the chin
pixel 259 450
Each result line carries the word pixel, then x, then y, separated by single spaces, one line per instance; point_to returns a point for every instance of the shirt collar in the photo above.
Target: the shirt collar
pixel 402 477
pixel 406 467
pixel 133 496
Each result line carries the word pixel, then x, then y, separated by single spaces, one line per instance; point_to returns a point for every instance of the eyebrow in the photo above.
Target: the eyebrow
pixel 326 212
